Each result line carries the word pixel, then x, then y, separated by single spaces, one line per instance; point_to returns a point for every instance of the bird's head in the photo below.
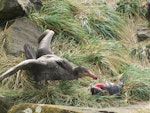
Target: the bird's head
pixel 81 71
pixel 95 90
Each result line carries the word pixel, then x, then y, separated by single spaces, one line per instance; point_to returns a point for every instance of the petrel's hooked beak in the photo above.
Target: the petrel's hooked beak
pixel 92 75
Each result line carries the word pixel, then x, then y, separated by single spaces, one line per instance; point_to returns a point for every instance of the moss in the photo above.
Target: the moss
pixel 142 111
pixel 3 108
pixel 39 108
pixel 4 105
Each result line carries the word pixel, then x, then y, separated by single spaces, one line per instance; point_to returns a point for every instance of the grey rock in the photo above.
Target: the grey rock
pixel 10 9
pixel 5 104
pixel 143 34
pixel 48 108
pixel 22 31
pixel 37 4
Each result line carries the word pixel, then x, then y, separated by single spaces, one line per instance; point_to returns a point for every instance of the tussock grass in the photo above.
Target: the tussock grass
pixel 60 19
pixel 139 88
pixel 131 8
pixel 106 51
pixel 74 22
pixel 106 22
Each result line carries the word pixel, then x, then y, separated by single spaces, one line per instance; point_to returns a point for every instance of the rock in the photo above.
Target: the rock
pixel 148 52
pixel 45 108
pixel 5 104
pixel 22 31
pixel 143 34
pixel 39 108
pixel 10 9
pixel 37 4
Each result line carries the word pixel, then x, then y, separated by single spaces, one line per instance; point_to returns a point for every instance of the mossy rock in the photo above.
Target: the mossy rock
pixel 39 108
pixel 5 104
pixel 45 108
pixel 3 107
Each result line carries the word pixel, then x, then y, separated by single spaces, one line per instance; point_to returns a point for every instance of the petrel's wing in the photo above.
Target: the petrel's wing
pixel 29 52
pixel 21 66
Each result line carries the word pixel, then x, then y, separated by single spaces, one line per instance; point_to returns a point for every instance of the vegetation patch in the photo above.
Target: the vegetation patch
pixel 94 35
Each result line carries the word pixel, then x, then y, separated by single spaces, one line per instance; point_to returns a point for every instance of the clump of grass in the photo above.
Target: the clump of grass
pixel 106 22
pixel 109 56
pixel 65 93
pixel 137 86
pixel 131 8
pixel 60 19
pixel 71 22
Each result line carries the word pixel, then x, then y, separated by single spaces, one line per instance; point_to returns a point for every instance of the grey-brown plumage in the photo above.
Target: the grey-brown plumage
pixel 44 65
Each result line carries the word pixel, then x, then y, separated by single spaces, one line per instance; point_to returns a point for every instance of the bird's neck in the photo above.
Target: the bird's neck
pixel 75 73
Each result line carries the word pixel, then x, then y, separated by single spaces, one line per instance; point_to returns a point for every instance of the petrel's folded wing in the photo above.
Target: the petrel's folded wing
pixel 21 66
pixel 45 33
pixel 29 52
